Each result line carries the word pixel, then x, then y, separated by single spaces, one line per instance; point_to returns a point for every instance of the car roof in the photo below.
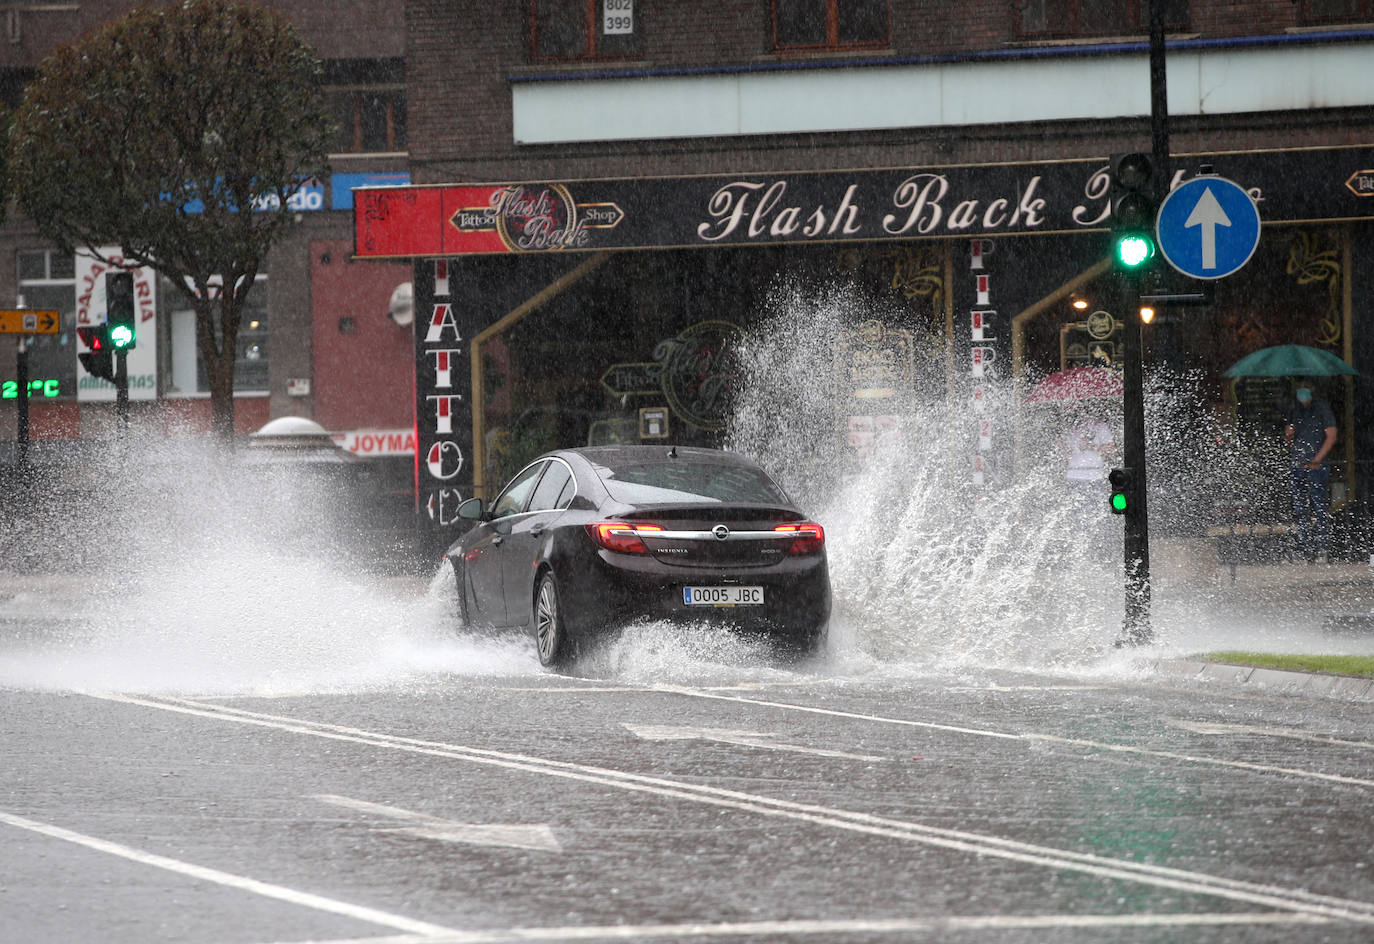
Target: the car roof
pixel 611 455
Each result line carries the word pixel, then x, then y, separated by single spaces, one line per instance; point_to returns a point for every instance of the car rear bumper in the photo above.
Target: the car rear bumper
pixel 617 589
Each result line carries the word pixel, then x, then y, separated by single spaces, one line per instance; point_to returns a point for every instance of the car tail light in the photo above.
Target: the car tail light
pixel 621 536
pixel 810 537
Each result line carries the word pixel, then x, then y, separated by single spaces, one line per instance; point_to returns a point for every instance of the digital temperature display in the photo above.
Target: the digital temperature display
pixel 9 389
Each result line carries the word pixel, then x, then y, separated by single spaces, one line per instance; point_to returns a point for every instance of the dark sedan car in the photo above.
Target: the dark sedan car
pixel 586 540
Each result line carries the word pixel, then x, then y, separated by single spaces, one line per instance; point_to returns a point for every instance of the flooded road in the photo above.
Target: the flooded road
pixel 390 777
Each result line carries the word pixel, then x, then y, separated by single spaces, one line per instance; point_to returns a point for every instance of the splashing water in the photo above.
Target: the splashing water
pixel 203 576
pixel 930 570
pixel 224 580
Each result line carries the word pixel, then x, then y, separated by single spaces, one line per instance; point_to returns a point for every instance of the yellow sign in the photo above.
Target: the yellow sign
pixel 30 321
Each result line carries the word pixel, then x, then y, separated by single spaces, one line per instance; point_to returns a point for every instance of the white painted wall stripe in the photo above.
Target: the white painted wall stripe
pixel 922 95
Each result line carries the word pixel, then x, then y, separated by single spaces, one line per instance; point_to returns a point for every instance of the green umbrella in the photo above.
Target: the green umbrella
pixel 1291 360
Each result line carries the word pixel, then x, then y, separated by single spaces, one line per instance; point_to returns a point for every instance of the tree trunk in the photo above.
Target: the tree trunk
pixel 219 365
pixel 222 403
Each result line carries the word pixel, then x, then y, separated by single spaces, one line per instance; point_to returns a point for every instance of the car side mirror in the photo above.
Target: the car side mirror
pixel 472 510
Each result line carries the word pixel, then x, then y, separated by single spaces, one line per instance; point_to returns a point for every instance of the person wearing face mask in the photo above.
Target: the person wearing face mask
pixel 1310 434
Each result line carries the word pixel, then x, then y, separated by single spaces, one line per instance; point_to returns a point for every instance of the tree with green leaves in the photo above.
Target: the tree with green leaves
pixel 178 133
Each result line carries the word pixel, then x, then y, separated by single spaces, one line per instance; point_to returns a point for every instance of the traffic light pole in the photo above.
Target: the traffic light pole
pixel 21 375
pixel 1136 545
pixel 1136 628
pixel 122 389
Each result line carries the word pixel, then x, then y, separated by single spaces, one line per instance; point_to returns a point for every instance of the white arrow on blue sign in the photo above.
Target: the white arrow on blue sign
pixel 1208 227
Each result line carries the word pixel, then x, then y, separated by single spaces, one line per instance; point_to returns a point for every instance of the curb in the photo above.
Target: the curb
pixel 1297 683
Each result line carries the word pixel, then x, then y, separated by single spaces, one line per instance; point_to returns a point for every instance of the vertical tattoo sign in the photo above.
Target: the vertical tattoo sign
pixel 982 357
pixel 443 422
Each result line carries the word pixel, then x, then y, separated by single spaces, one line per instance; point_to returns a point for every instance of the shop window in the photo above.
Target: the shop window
pixel 1337 11
pixel 183 365
pixel 829 24
pixel 47 280
pixel 1089 18
pixel 585 29
pixel 367 101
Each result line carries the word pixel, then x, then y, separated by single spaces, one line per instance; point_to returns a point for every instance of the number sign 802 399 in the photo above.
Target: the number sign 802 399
pixel 618 17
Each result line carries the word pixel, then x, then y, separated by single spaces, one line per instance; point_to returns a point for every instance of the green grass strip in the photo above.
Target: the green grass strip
pixel 1358 666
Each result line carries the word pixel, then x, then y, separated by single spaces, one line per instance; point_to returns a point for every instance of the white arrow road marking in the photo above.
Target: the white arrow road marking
pixel 1208 215
pixel 665 732
pixel 537 837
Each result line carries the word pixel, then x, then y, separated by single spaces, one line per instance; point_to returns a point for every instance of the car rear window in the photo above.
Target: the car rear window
pixel 668 483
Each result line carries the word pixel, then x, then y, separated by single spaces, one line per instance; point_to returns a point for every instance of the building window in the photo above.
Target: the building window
pixel 585 29
pixel 184 368
pixel 367 99
pixel 1088 18
pixel 829 24
pixel 47 280
pixel 1337 11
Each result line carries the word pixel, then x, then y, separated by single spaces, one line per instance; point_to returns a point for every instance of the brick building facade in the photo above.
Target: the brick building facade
pixel 998 98
pixel 766 94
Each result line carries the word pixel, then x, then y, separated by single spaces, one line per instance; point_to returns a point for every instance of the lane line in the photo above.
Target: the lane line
pixel 1295 734
pixel 1048 738
pixel 1269 896
pixel 885 926
pixel 281 893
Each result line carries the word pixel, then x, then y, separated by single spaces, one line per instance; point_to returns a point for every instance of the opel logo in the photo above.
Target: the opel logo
pixel 721 532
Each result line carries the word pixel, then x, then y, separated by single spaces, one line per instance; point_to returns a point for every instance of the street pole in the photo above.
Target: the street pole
pixel 122 389
pixel 1136 629
pixel 21 376
pixel 1136 547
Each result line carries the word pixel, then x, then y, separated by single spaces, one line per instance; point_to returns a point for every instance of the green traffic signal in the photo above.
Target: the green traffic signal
pixel 1120 481
pixel 1133 208
pixel 121 336
pixel 1133 250
pixel 119 303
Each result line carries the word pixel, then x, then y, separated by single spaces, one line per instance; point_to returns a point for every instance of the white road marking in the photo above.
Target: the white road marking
pixel 266 889
pixel 993 687
pixel 537 836
pixel 835 928
pixel 833 713
pixel 667 732
pixel 1288 899
pixel 1032 736
pixel 1208 727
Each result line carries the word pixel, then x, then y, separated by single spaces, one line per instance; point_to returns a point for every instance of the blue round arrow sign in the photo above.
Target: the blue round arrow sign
pixel 1208 227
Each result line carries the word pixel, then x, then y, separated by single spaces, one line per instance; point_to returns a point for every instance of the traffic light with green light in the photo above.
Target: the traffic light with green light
pixel 98 358
pixel 119 308
pixel 1133 211
pixel 1120 481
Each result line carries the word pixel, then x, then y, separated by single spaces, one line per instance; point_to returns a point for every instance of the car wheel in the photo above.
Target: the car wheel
pixel 550 629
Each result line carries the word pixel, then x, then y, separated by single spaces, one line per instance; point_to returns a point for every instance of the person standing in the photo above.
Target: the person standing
pixel 1310 434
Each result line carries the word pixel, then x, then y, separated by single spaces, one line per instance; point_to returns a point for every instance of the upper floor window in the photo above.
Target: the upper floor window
pixel 367 99
pixel 1337 11
pixel 829 24
pixel 1087 18
pixel 585 29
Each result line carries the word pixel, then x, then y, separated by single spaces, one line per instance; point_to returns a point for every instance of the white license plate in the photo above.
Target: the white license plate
pixel 722 596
